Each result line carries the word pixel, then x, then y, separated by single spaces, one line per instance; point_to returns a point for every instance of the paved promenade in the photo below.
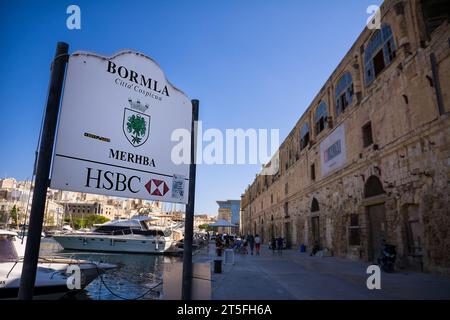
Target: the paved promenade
pixel 295 275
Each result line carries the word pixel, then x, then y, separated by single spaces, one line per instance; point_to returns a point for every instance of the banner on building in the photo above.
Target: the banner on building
pixel 333 153
pixel 114 137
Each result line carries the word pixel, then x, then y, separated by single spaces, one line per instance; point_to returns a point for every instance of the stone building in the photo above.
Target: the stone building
pixel 83 209
pixel 370 157
pixel 229 210
pixel 8 183
pixel 202 219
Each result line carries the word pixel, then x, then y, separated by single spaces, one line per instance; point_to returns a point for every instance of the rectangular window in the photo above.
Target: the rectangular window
pixel 378 63
pixel 313 172
pixel 304 142
pixel 286 209
pixel 344 102
pixel 271 198
pixel 367 134
pixel 286 189
pixel 320 125
pixel 354 231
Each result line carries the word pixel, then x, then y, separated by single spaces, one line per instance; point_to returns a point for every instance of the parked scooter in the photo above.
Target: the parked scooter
pixel 387 258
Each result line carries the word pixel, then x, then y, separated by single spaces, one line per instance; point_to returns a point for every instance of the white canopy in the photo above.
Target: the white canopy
pixel 223 224
pixel 145 218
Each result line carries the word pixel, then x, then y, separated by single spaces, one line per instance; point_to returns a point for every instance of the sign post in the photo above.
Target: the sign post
pixel 186 291
pixel 123 131
pixel 42 174
pixel 120 128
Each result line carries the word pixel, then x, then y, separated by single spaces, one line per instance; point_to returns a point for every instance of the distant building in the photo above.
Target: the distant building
pixel 82 209
pixel 3 194
pixel 229 210
pixel 54 214
pixel 9 183
pixel 202 219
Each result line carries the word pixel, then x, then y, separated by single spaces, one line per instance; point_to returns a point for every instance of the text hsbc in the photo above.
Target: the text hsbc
pixel 109 180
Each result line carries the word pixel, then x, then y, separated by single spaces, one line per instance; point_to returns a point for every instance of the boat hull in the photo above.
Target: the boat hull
pixel 51 278
pixel 126 244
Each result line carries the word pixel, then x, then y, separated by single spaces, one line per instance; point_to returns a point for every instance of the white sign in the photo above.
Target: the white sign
pixel 333 153
pixel 114 134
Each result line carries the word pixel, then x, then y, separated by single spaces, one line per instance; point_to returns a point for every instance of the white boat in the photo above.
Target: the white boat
pixel 51 274
pixel 128 235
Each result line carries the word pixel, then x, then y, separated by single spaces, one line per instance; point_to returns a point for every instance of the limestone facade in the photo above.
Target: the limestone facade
pixel 380 168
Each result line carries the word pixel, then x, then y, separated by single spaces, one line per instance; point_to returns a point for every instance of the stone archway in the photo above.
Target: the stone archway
pixel 315 205
pixel 373 187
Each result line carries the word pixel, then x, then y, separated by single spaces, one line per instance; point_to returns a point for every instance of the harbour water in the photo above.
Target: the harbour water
pixel 134 278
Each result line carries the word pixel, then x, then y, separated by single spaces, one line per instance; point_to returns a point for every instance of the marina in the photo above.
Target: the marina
pixel 137 276
pixel 123 259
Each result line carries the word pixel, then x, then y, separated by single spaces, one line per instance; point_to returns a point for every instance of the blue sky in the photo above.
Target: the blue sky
pixel 251 63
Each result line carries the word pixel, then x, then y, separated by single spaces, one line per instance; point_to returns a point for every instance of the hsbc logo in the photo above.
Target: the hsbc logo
pixel 157 187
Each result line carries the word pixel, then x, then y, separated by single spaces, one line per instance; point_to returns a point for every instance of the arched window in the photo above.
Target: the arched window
pixel 315 205
pixel 344 93
pixel 304 136
pixel 320 117
pixel 380 52
pixel 373 187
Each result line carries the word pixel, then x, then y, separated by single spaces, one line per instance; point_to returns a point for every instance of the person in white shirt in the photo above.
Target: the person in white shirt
pixel 257 244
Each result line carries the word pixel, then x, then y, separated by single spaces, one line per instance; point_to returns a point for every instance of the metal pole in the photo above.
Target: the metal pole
pixel 42 175
pixel 186 291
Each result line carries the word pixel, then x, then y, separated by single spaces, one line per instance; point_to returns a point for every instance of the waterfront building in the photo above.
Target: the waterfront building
pixel 8 183
pixel 83 209
pixel 229 210
pixel 53 214
pixel 369 159
pixel 202 219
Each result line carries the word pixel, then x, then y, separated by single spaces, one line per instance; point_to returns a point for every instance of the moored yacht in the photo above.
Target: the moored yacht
pixel 128 235
pixel 51 274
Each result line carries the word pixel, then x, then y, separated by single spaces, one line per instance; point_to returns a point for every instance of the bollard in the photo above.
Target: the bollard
pixel 217 266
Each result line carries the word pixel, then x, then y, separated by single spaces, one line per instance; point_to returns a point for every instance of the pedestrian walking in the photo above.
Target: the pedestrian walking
pixel 280 245
pixel 219 246
pixel 251 243
pixel 273 244
pixel 257 244
pixel 245 246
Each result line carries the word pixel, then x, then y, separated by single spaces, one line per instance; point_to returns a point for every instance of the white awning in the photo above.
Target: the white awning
pixel 223 224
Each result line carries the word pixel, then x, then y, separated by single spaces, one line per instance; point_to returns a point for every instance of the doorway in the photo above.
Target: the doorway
pixel 287 234
pixel 377 230
pixel 414 229
pixel 315 227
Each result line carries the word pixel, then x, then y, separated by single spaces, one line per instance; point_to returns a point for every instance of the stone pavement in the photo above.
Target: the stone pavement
pixel 295 275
